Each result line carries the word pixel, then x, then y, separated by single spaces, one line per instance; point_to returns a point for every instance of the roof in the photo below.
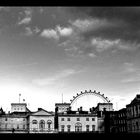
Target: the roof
pixel 77 115
pixel 104 103
pixel 18 104
pixel 62 103
pixel 136 100
pixel 16 114
pixel 36 113
pixel 28 109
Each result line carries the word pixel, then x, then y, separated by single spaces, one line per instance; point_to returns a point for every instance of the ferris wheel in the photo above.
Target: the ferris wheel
pixel 86 93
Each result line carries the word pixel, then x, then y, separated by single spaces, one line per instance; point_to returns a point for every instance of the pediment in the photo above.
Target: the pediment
pixel 42 113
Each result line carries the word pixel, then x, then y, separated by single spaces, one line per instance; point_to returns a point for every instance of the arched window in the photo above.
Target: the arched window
pixel 42 124
pixel 34 122
pixel 78 127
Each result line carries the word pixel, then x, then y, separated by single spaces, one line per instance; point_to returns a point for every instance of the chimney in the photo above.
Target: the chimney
pixel 39 109
pixel 104 109
pixel 69 109
pixel 81 108
pixel 90 110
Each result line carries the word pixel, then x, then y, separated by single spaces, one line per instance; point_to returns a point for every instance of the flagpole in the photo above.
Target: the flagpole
pixel 62 98
pixel 19 97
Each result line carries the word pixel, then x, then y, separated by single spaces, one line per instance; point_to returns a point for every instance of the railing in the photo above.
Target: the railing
pixel 9 130
pixel 37 130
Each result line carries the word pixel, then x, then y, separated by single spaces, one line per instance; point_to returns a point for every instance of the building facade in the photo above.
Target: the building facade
pixel 16 121
pixel 133 115
pixel 77 122
pixel 41 121
pixel 115 121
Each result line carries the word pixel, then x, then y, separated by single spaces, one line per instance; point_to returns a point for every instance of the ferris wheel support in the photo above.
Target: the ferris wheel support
pixel 78 95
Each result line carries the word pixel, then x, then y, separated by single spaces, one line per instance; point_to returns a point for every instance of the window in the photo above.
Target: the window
pixel 87 128
pixel 62 128
pixel 5 126
pixel 23 119
pixel 17 126
pixel 78 119
pixel 5 119
pixel 68 119
pixel 93 127
pixel 68 128
pixel 23 126
pixel 87 119
pixel 42 125
pixel 34 122
pixel 78 127
pixel 93 119
pixel 62 119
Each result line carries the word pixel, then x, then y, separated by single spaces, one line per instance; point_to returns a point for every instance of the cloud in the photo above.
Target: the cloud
pixel 31 31
pixel 57 32
pixel 63 31
pixel 52 80
pixel 50 33
pixel 131 73
pixel 76 47
pixel 131 80
pixel 90 24
pixel 91 55
pixel 28 31
pixel 102 44
pixel 26 20
pixel 20 65
pixel 124 22
pixel 129 68
pixel 36 30
pixel 118 44
pixel 27 17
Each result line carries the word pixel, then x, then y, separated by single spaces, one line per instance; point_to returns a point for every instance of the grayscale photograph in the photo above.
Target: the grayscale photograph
pixel 67 70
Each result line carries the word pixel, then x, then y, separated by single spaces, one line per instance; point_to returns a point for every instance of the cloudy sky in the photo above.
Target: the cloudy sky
pixel 49 51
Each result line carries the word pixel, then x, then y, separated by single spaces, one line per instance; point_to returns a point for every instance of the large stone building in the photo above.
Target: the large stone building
pixel 115 121
pixel 41 121
pixel 67 120
pixel 77 121
pixel 133 115
pixel 16 121
pixel 22 120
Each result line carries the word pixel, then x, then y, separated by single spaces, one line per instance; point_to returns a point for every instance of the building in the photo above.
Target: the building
pixel 62 107
pixel 105 106
pixel 77 121
pixel 19 107
pixel 115 121
pixel 133 115
pixel 41 121
pixel 22 120
pixel 16 121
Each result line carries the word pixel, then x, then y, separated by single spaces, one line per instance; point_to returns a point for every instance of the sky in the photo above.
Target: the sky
pixel 47 53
